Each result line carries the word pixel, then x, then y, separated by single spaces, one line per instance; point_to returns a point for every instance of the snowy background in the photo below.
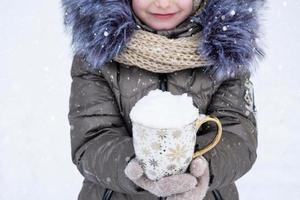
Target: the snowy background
pixel 35 61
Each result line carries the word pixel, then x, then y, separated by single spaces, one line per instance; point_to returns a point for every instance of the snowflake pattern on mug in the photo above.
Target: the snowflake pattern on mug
pixel 162 133
pixel 179 152
pixel 153 163
pixel 163 151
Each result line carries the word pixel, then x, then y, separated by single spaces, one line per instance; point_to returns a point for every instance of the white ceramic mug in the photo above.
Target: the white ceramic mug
pixel 168 151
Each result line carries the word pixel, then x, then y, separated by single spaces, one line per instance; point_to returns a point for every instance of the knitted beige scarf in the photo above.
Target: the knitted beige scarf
pixel 157 53
pixel 160 54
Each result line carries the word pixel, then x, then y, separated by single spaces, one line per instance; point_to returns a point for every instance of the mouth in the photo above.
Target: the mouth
pixel 163 16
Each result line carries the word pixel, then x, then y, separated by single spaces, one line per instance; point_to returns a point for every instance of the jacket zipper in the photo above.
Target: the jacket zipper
pixel 163 82
pixel 107 194
pixel 217 195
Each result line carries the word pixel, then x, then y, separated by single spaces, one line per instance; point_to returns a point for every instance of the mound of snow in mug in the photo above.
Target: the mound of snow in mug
pixel 159 109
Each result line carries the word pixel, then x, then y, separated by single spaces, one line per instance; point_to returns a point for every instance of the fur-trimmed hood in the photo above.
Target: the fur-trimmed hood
pixel 101 29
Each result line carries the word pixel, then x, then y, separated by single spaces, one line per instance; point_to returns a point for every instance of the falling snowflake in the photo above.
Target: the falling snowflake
pixel 232 12
pixel 177 153
pixel 153 163
pixel 106 33
pixel 284 3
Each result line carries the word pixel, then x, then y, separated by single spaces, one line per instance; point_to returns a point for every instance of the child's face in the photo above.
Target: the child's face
pixel 162 14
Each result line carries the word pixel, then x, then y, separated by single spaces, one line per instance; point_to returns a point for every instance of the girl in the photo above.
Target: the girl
pixel 123 49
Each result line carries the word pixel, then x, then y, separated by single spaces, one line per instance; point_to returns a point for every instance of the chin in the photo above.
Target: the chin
pixel 162 27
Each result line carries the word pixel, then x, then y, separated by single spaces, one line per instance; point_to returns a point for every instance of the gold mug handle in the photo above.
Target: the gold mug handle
pixel 216 139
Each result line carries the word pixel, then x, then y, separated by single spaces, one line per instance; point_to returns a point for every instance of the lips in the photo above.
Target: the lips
pixel 163 16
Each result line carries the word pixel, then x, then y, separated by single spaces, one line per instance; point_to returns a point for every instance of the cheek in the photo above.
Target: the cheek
pixel 186 6
pixel 139 6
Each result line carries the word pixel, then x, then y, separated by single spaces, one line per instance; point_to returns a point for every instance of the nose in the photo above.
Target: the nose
pixel 163 3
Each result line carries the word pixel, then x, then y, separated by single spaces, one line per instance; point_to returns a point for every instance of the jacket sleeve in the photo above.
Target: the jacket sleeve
pixel 100 144
pixel 234 155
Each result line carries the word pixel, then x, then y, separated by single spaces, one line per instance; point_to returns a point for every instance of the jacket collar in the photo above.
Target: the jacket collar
pixel 101 29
